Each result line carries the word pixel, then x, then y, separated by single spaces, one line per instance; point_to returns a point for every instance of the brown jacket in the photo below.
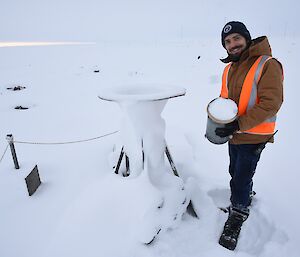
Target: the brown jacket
pixel 270 90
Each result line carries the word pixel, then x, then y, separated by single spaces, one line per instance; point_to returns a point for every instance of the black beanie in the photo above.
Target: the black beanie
pixel 235 27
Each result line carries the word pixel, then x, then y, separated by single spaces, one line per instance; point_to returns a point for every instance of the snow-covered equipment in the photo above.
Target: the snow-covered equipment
pixel 142 142
pixel 142 132
pixel 16 88
pixel 220 111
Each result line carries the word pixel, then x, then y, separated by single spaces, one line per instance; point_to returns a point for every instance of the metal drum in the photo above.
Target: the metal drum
pixel 214 122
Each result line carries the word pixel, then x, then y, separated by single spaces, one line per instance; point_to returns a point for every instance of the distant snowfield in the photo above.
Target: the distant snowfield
pixel 82 208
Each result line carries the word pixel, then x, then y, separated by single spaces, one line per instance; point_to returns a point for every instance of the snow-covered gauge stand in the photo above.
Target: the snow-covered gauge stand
pixel 142 142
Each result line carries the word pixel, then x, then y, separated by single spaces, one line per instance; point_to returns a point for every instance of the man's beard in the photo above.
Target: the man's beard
pixel 235 57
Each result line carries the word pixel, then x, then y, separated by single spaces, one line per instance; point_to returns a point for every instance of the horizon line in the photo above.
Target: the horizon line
pixel 41 43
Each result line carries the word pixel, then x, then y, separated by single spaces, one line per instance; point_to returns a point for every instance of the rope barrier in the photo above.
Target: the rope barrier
pixel 4 153
pixel 63 143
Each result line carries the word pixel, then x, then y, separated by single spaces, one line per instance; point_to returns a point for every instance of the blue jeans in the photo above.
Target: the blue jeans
pixel 243 162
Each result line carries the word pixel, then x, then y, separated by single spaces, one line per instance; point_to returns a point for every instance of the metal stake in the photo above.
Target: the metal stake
pixel 171 162
pixel 119 161
pixel 10 140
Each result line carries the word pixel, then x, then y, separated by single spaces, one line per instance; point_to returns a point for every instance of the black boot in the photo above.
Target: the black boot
pixel 232 228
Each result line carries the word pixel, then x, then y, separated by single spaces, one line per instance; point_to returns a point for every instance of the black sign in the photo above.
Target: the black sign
pixel 33 181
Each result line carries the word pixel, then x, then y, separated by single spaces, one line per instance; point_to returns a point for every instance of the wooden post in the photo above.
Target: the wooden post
pixel 10 140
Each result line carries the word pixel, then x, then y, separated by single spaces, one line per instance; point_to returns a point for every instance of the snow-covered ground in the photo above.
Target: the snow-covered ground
pixel 82 208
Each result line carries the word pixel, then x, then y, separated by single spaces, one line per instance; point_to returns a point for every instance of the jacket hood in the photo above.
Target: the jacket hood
pixel 259 46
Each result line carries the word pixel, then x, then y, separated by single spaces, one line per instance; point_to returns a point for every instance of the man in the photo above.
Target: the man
pixel 254 80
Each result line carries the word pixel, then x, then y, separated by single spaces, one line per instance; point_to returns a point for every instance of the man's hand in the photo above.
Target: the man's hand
pixel 228 130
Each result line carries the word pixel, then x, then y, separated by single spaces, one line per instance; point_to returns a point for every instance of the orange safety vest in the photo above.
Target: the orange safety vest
pixel 248 97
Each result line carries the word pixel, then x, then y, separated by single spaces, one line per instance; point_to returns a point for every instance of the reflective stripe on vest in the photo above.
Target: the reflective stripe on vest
pixel 248 96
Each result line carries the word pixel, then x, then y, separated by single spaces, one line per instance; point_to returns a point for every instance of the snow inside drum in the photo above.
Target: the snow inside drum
pixel 220 111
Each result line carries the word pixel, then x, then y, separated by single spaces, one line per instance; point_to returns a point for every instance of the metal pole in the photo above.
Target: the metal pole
pixel 171 162
pixel 127 165
pixel 10 140
pixel 119 161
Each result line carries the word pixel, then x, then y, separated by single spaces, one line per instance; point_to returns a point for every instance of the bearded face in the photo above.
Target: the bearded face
pixel 235 44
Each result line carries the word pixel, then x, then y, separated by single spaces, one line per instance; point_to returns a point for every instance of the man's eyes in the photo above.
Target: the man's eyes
pixel 237 38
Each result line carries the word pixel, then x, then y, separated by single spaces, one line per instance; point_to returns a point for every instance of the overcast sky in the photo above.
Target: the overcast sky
pixel 93 20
